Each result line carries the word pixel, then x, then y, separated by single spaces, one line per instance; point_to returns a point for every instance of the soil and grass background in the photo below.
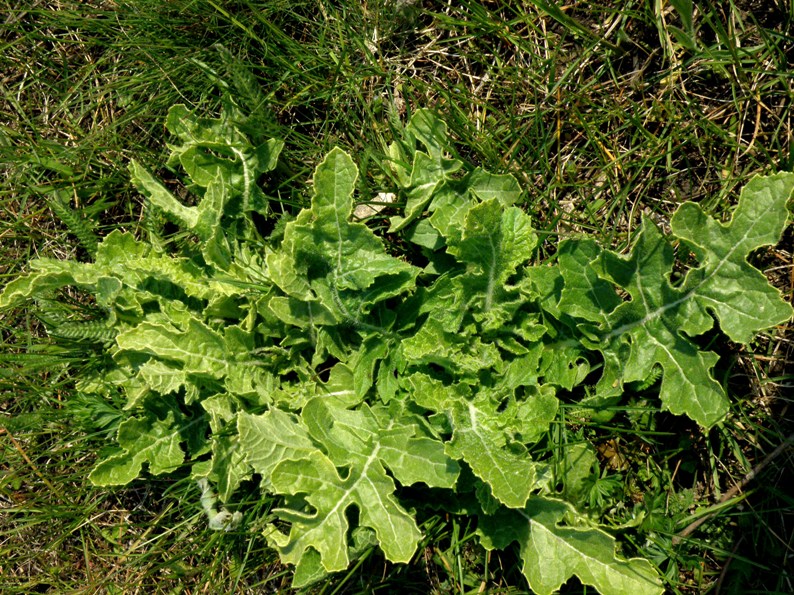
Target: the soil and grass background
pixel 604 111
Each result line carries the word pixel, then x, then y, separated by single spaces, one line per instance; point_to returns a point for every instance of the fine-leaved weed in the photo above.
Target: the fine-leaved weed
pixel 354 379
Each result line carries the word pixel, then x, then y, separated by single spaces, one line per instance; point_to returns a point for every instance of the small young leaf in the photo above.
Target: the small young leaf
pixel 158 195
pixel 487 186
pixel 152 441
pixel 494 242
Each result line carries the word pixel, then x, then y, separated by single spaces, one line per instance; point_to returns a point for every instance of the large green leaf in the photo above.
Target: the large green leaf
pixel 363 445
pixel 725 283
pixel 228 466
pixel 660 318
pixel 584 295
pixel 553 550
pixel 652 322
pixel 51 275
pixel 325 255
pixel 158 195
pixel 487 186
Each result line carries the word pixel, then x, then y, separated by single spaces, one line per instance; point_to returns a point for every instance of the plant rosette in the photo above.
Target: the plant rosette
pixel 337 370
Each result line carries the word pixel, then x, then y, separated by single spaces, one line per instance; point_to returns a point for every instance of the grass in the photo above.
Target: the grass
pixel 604 111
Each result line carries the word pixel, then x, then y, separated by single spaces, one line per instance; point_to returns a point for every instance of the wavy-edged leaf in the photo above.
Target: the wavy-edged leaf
pixel 51 275
pixel 228 467
pixel 147 440
pixel 355 440
pixel 553 552
pixel 217 147
pixel 480 435
pixel 725 283
pixel 437 343
pixel 426 178
pixel 652 323
pixel 198 349
pixel 306 314
pixel 324 254
pixel 271 438
pixel 493 243
pixel 655 325
pixel 585 295
pixel 502 187
pixel 162 377
pixel 331 494
pixel 158 195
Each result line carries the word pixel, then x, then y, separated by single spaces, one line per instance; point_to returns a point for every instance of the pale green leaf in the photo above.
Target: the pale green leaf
pixel 564 365
pixel 655 325
pixel 534 413
pixel 553 552
pixel 501 187
pixel 152 441
pixel 365 445
pixel 158 195
pixel 215 245
pixel 270 438
pixel 480 436
pixel 479 440
pixel 418 199
pixel 37 283
pixel 449 210
pixel 135 264
pixel 120 248
pixel 425 235
pixel 430 170
pixel 439 343
pixel 579 461
pixel 431 131
pixel 162 377
pixel 212 145
pixel 198 348
pixel 303 313
pixel 347 265
pixel 330 494
pixel 229 465
pixel 493 243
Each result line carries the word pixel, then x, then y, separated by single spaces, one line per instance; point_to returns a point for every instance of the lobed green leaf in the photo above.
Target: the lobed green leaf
pixel 556 544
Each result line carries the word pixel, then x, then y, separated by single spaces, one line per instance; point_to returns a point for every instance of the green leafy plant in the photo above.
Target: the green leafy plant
pixel 343 373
